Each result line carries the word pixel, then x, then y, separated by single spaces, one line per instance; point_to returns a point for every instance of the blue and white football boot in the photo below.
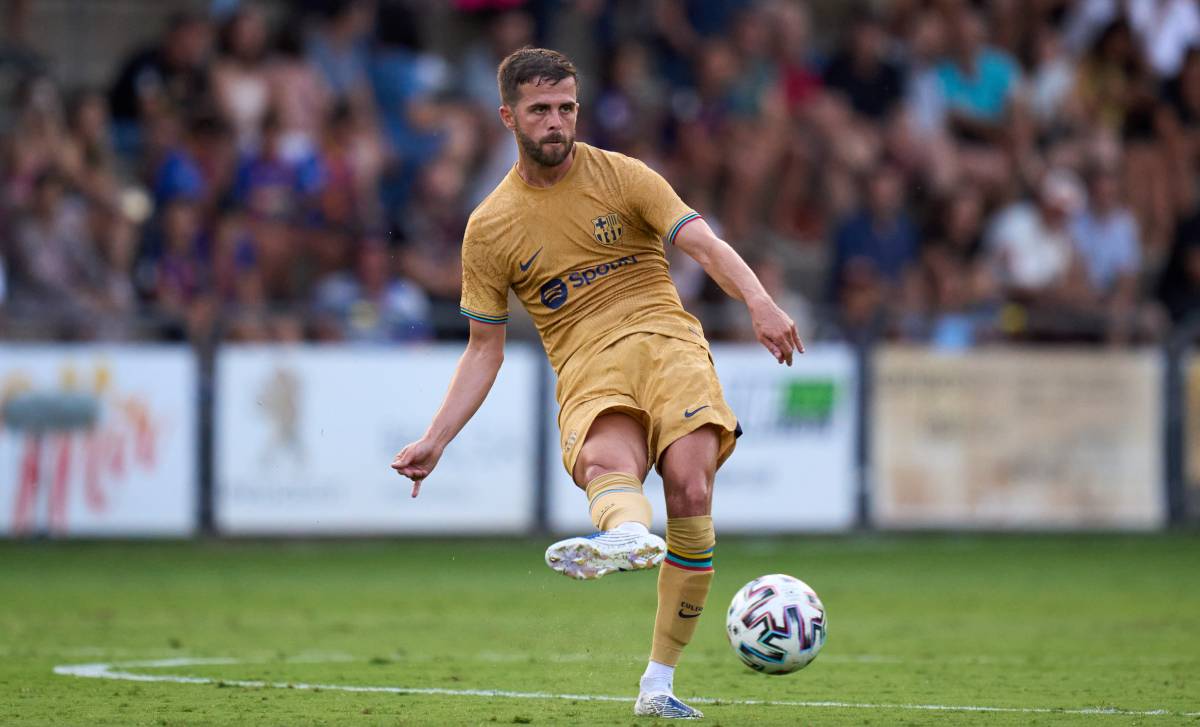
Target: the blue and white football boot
pixel 595 556
pixel 665 705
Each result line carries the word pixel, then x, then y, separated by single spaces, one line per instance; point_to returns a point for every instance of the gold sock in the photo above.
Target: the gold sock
pixel 616 498
pixel 683 582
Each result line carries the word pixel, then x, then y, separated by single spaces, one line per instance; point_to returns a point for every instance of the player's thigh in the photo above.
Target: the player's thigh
pixel 615 442
pixel 688 466
pixel 684 396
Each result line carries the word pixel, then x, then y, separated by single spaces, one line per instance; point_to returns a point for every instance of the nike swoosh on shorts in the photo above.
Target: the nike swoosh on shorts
pixel 689 414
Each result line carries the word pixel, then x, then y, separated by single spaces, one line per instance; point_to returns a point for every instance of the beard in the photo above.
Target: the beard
pixel 546 157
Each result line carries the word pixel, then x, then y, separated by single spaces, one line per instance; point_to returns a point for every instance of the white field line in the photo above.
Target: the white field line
pixel 113 671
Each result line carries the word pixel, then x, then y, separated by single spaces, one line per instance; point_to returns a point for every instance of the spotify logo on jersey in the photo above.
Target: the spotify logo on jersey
pixel 554 293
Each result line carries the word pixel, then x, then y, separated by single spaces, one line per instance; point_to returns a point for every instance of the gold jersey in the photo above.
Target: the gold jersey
pixel 584 256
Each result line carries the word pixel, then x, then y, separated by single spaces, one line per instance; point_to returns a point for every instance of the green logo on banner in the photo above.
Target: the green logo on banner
pixel 808 402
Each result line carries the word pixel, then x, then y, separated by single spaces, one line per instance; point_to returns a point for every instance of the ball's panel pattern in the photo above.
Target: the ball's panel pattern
pixel 776 624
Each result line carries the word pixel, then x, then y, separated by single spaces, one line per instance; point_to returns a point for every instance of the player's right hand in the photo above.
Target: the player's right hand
pixel 416 461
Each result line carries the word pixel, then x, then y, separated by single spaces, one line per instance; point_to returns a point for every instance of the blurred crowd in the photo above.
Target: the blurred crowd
pixel 938 171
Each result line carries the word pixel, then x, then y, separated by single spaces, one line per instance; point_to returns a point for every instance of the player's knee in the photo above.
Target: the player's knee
pixel 688 491
pixel 588 471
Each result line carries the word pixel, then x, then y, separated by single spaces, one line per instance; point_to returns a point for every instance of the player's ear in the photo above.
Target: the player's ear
pixel 506 116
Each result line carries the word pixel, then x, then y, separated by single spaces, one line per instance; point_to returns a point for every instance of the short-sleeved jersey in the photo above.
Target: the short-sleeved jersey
pixel 584 256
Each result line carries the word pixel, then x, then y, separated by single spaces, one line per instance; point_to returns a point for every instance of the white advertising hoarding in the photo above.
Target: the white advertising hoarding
pixel 97 441
pixel 1018 439
pixel 793 468
pixel 305 436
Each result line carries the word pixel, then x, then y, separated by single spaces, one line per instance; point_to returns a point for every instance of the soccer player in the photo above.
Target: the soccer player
pixel 579 234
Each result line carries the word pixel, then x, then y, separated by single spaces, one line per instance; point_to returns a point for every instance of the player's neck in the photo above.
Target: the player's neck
pixel 537 175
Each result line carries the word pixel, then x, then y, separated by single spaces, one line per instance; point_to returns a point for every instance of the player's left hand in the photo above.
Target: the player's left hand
pixel 775 330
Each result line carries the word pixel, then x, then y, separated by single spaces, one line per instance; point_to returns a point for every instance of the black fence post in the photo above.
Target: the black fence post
pixel 1179 509
pixel 863 355
pixel 206 381
pixel 541 500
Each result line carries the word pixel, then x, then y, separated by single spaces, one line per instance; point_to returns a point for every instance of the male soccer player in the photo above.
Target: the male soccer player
pixel 579 234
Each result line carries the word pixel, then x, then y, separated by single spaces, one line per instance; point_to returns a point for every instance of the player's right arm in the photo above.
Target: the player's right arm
pixel 485 302
pixel 473 379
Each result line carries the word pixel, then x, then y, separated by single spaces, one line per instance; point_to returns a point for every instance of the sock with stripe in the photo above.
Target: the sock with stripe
pixel 615 499
pixel 683 582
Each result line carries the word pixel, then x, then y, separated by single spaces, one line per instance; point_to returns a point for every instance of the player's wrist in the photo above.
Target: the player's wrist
pixel 436 439
pixel 758 300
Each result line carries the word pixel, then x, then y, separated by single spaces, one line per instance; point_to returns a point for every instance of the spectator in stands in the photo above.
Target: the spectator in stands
pixel 1167 29
pixel 115 296
pixel 272 186
pixel 756 126
pixel 1181 126
pixel 700 124
pixel 632 102
pixel 200 168
pixel 432 229
pixel 355 121
pixel 508 31
pixel 87 158
pixel 299 95
pixel 240 78
pixel 959 293
pixel 280 196
pixel 1106 238
pixel 237 280
pixel 924 99
pixel 1038 264
pixel 1179 288
pixel 55 263
pixel 1051 80
pixel 862 73
pixel 979 83
pixel 339 47
pixel 3 282
pixel 36 142
pixel 351 169
pixel 169 77
pixel 374 304
pixel 792 48
pixel 881 233
pixel 178 272
pixel 407 82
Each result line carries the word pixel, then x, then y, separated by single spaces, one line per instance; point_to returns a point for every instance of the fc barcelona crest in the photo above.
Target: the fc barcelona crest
pixel 607 229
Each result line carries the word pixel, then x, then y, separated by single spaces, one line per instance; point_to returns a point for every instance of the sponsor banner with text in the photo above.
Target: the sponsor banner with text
pixel 793 469
pixel 305 436
pixel 1017 439
pixel 97 441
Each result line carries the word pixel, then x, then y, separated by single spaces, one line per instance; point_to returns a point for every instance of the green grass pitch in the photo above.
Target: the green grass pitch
pixel 1054 625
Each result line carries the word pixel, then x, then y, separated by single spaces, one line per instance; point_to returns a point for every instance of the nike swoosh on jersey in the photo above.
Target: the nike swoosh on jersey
pixel 689 414
pixel 525 265
pixel 688 615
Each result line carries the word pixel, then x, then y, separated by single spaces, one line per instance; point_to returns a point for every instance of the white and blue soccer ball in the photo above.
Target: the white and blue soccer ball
pixel 776 624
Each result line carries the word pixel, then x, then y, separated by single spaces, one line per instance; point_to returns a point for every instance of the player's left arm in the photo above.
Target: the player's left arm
pixel 773 328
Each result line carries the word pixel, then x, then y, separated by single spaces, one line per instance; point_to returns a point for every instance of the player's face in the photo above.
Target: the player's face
pixel 543 120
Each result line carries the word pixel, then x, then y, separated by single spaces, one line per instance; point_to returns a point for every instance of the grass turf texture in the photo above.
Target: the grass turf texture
pixel 1026 622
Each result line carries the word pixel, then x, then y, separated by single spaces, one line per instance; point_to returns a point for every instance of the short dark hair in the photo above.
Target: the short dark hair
pixel 532 64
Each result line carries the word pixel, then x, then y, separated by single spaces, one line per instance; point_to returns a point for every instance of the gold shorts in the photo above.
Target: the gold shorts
pixel 667 384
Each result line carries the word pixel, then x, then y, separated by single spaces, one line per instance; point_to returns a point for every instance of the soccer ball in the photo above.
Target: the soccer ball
pixel 776 624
